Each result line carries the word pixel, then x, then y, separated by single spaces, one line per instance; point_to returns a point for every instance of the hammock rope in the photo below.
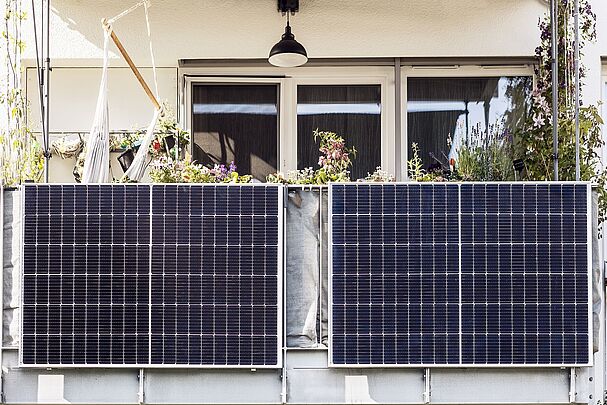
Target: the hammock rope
pixel 137 169
pixel 128 11
pixel 147 23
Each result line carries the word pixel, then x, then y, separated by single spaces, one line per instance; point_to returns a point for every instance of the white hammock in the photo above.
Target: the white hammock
pixel 137 168
pixel 97 158
pixel 96 165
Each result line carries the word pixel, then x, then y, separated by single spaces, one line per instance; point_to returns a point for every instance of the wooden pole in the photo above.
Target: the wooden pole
pixel 128 60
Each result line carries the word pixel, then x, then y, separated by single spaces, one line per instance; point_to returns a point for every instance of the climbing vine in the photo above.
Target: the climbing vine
pixel 20 154
pixel 537 140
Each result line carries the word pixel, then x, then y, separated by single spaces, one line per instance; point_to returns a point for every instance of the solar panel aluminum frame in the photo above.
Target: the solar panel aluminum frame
pixel 590 362
pixel 280 286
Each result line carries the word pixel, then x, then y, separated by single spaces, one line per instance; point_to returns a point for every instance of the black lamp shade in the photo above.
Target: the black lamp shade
pixel 288 52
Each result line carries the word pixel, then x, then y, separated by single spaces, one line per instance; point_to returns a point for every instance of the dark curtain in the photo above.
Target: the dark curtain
pixel 236 122
pixel 360 125
pixel 430 130
pixel 430 123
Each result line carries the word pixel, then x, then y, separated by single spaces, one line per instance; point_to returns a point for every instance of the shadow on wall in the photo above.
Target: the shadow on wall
pixel 172 24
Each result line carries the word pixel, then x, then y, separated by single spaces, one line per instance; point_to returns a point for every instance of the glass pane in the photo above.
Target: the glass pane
pixel 353 112
pixel 236 122
pixel 442 113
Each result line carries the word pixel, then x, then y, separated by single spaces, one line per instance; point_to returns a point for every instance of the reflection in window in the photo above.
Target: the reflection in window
pixel 236 123
pixel 443 113
pixel 352 111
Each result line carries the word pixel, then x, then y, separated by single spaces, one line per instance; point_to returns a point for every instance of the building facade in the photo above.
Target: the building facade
pixel 391 72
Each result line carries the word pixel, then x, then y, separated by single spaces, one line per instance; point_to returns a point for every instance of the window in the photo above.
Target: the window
pixel 444 112
pixel 236 122
pixel 264 118
pixel 351 111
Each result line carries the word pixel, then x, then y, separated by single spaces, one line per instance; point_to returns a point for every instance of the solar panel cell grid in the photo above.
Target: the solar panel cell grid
pixel 208 297
pixel 221 246
pixel 471 274
pixel 75 289
pixel 395 297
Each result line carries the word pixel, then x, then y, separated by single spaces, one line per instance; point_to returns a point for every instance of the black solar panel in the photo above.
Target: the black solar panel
pixel 215 258
pixel 86 274
pixel 460 274
pixel 151 275
pixel 525 273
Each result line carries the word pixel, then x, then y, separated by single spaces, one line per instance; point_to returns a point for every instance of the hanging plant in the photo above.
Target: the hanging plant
pixel 68 146
pixel 126 140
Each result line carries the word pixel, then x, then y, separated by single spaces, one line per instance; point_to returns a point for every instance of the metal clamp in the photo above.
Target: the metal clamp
pixel 572 389
pixel 427 386
pixel 141 392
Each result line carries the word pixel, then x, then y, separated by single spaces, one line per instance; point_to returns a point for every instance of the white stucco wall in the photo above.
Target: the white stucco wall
pixel 592 56
pixel 328 28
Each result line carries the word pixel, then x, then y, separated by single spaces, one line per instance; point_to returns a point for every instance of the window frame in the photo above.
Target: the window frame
pixel 455 71
pixel 387 107
pixel 288 79
pixel 333 73
pixel 187 108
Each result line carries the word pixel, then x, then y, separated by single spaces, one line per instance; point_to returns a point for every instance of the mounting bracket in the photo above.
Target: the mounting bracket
pixel 427 386
pixel 572 387
pixel 141 391
pixel 288 6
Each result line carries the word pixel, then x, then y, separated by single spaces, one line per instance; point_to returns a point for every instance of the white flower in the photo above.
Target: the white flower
pixel 538 121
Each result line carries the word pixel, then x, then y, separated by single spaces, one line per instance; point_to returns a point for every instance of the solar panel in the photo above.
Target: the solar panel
pixel 474 274
pixel 215 257
pixel 86 274
pixel 121 275
pixel 525 274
